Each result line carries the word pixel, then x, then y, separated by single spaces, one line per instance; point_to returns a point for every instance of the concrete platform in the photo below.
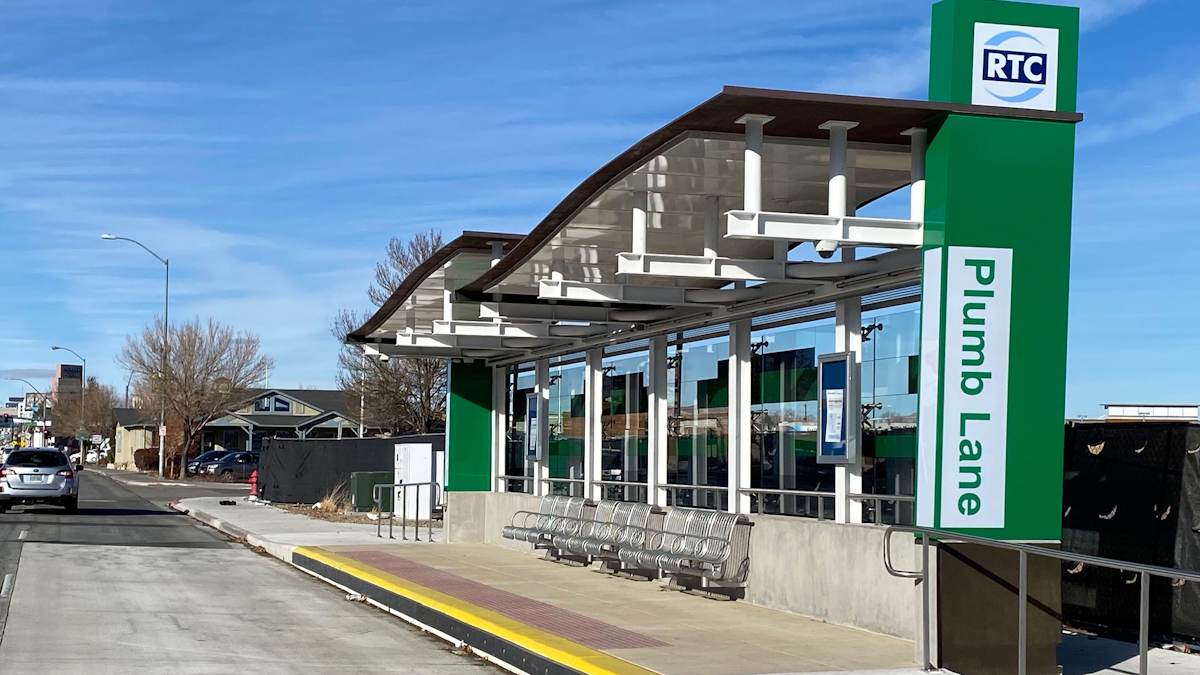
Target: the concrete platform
pixel 279 532
pixel 540 616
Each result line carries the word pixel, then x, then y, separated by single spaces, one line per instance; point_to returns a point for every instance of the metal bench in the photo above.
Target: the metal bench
pixel 557 515
pixel 699 548
pixel 613 525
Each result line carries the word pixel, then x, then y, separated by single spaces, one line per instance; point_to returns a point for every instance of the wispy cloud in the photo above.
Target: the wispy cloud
pixel 28 373
pixel 1095 13
pixel 1146 107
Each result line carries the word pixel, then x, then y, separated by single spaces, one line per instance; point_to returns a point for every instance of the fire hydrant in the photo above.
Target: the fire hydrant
pixel 254 483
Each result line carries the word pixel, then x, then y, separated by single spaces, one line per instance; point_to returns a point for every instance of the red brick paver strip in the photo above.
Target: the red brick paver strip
pixel 556 620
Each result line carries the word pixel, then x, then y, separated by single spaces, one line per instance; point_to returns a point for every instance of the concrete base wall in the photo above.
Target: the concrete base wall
pixel 834 572
pixel 820 569
pixel 478 517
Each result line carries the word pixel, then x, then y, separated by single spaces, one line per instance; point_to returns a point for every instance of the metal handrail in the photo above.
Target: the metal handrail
pixel 862 497
pixel 562 480
pixel 821 496
pixel 1025 550
pixel 434 489
pixel 879 499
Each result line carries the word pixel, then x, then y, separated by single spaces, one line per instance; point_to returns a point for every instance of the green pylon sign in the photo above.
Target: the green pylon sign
pixel 995 277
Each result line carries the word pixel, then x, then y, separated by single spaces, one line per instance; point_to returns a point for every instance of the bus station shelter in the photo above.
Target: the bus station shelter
pixel 826 312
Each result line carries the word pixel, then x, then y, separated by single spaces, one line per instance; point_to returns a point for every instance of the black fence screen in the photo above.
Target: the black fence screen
pixel 305 471
pixel 1131 491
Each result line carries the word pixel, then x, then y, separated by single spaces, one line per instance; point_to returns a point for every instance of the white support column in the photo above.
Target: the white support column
pixel 499 427
pixel 712 225
pixel 916 204
pixel 752 187
pixel 837 165
pixel 448 300
pixel 640 206
pixel 656 455
pixel 848 338
pixel 848 333
pixel 497 251
pixel 739 415
pixel 557 264
pixel 541 464
pixel 593 407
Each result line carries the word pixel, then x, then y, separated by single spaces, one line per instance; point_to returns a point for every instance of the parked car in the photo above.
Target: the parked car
pixel 235 464
pixel 38 476
pixel 204 458
pixel 93 457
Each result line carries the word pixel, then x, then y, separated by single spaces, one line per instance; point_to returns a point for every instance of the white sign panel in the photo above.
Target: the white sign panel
pixel 1015 66
pixel 975 389
pixel 833 419
pixel 929 386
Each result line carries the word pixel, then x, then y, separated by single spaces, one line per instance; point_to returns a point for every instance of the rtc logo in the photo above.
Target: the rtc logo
pixel 1015 66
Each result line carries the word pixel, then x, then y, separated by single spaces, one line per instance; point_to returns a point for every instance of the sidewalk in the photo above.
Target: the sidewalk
pixel 538 616
pixel 279 532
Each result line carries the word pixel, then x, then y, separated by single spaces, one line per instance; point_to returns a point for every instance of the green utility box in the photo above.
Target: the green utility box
pixel 362 485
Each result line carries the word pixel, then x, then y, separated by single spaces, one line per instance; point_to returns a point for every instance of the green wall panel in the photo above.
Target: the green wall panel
pixel 469 428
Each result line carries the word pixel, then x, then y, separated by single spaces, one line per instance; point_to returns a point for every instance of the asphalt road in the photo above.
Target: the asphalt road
pixel 127 586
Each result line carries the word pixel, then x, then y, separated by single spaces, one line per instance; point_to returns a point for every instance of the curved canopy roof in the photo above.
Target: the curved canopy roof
pixel 568 283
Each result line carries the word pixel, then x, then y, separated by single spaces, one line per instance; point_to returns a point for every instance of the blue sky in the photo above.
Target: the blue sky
pixel 270 150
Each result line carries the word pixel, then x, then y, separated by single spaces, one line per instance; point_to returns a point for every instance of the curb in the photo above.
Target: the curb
pixel 273 548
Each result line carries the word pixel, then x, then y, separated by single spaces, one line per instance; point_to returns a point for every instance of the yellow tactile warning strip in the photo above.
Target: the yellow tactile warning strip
pixel 546 645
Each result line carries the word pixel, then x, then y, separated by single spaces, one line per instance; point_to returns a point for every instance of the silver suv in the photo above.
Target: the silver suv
pixel 38 476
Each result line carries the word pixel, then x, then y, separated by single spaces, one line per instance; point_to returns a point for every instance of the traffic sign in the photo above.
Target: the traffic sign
pixel 97 439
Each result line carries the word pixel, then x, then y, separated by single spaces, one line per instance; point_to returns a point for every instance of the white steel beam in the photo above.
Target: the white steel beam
pixel 502 329
pixel 542 312
pixel 846 230
pixel 582 291
pixel 691 266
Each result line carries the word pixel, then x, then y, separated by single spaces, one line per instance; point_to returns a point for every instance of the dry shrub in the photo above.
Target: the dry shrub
pixel 336 500
pixel 146 459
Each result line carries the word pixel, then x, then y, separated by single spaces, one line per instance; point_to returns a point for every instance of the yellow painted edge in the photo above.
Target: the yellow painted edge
pixel 547 645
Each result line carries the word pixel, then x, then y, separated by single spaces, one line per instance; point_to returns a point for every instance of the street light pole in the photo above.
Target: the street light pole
pixel 162 398
pixel 82 400
pixel 41 408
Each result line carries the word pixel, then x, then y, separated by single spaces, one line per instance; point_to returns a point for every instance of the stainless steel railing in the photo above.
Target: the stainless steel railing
pixel 377 496
pixel 1024 551
pixel 527 481
pixel 570 483
pixel 808 494
pixel 878 500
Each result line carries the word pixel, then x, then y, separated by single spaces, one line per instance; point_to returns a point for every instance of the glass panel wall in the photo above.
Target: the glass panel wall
pixel 783 409
pixel 623 425
pixel 566 419
pixel 698 420
pixel 518 386
pixel 890 364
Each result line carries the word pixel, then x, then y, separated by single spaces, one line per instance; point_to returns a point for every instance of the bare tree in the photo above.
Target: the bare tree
pixel 399 395
pixel 402 258
pixel 94 414
pixel 209 367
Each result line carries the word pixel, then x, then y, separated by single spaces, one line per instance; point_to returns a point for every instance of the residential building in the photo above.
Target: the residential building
pixel 135 430
pixel 282 413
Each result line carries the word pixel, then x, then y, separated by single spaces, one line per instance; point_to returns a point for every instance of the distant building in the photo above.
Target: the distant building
pixel 68 380
pixel 1154 412
pixel 282 413
pixel 135 430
